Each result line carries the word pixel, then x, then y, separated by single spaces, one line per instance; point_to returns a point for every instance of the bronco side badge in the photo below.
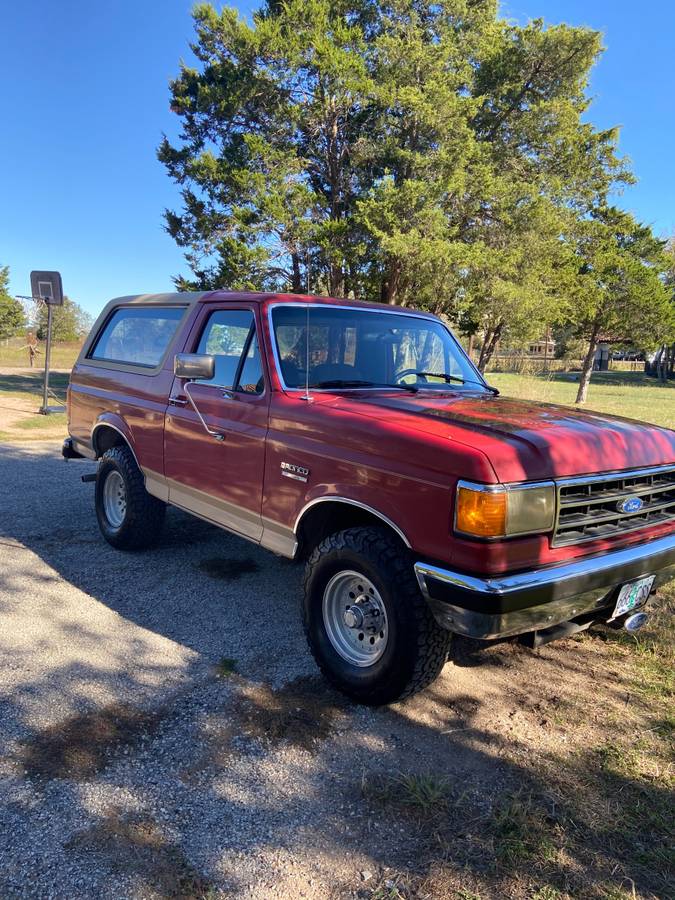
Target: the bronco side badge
pixel 290 470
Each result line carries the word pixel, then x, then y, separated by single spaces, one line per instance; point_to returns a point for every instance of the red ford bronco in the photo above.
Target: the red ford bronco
pixel 361 439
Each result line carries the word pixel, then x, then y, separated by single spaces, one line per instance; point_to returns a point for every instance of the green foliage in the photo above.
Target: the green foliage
pixel 12 317
pixel 69 321
pixel 414 152
pixel 620 292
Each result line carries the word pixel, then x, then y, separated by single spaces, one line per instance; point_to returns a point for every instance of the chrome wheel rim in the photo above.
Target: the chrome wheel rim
pixel 355 618
pixel 114 499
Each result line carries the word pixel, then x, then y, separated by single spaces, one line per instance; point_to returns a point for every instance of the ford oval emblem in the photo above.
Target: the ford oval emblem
pixel 630 505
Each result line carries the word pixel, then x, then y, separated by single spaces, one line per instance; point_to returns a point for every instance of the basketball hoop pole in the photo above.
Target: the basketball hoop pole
pixel 48 287
pixel 45 396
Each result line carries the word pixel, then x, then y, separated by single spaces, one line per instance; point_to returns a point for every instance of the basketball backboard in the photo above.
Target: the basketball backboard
pixel 47 286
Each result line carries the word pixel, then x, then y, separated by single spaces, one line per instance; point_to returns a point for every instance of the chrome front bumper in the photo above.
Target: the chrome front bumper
pixel 511 604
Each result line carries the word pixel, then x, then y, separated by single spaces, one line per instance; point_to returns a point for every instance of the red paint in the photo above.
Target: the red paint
pixel 398 453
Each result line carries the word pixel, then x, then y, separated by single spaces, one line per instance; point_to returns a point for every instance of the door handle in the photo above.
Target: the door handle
pixel 177 401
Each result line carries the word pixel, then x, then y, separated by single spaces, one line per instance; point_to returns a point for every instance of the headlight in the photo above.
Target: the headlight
pixel 493 511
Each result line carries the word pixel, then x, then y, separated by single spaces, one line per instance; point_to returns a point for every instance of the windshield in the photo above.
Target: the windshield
pixel 352 348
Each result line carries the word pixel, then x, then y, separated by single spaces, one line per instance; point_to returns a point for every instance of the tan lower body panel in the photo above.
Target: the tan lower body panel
pixel 156 485
pixel 269 534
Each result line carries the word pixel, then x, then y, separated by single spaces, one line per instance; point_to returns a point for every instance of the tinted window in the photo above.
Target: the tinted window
pixel 138 335
pixel 230 337
pixel 370 347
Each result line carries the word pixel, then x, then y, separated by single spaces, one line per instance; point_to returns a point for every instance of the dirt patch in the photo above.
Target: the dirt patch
pixel 83 745
pixel 303 713
pixel 134 844
pixel 227 569
pixel 20 401
pixel 585 799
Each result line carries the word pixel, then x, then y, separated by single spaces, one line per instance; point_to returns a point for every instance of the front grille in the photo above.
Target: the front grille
pixel 588 508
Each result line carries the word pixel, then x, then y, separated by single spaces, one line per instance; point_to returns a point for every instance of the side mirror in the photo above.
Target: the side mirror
pixel 194 365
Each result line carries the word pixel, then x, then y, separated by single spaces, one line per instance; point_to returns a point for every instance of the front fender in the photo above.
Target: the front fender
pixel 380 508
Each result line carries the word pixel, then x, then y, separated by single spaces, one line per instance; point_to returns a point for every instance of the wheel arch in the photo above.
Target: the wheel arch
pixel 107 434
pixel 326 515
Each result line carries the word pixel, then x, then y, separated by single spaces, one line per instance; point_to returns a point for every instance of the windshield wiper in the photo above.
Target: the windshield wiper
pixel 446 377
pixel 356 383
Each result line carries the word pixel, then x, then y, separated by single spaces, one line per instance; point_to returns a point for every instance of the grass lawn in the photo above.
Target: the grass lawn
pixel 13 353
pixel 629 394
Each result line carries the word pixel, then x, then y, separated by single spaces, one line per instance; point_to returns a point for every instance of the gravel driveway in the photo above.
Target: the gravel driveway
pixel 165 733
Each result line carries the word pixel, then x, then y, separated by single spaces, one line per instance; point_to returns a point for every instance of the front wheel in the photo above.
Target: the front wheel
pixel 129 517
pixel 367 624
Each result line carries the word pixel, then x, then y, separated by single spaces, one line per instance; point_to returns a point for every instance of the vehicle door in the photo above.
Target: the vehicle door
pixel 221 478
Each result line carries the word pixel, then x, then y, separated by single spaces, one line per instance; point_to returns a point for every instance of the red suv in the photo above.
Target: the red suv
pixel 360 439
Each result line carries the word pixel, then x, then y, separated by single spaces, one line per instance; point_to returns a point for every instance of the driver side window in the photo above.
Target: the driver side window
pixel 230 336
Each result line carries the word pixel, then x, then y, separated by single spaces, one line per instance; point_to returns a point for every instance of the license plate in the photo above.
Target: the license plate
pixel 632 595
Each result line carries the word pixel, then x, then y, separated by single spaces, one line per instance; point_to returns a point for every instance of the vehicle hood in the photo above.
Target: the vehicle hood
pixel 525 440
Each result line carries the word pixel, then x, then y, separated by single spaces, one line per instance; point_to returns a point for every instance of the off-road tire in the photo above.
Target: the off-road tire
pixel 144 514
pixel 417 647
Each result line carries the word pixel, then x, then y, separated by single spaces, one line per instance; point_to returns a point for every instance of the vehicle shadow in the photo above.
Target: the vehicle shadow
pixel 177 681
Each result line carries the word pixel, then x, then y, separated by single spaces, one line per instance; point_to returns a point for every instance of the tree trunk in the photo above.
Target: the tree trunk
pixel 297 275
pixel 587 367
pixel 492 336
pixel 487 340
pixel 666 363
pixel 393 281
pixel 336 281
pixel 662 364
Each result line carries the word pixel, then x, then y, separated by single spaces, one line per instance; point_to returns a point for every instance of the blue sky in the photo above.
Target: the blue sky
pixel 85 100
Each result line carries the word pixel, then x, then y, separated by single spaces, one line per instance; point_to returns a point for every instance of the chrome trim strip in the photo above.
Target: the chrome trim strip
pixel 398 311
pixel 618 516
pixel 332 498
pixel 506 486
pixel 613 476
pixel 502 585
pixel 566 503
pixel 557 542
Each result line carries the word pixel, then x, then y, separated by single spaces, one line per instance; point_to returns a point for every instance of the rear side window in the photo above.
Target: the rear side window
pixel 139 336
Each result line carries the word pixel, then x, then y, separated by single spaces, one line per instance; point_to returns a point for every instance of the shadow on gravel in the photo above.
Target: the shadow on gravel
pixel 227 569
pixel 436 803
pixel 133 844
pixel 81 746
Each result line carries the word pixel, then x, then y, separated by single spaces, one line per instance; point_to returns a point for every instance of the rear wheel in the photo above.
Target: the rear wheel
pixel 367 624
pixel 129 517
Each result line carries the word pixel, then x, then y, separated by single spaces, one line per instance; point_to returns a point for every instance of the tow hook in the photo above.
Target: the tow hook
pixel 635 622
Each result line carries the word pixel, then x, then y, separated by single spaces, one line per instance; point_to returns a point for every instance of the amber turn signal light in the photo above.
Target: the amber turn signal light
pixel 508 510
pixel 481 513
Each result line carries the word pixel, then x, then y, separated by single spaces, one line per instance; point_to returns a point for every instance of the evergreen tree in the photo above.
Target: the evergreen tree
pixel 12 317
pixel 416 152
